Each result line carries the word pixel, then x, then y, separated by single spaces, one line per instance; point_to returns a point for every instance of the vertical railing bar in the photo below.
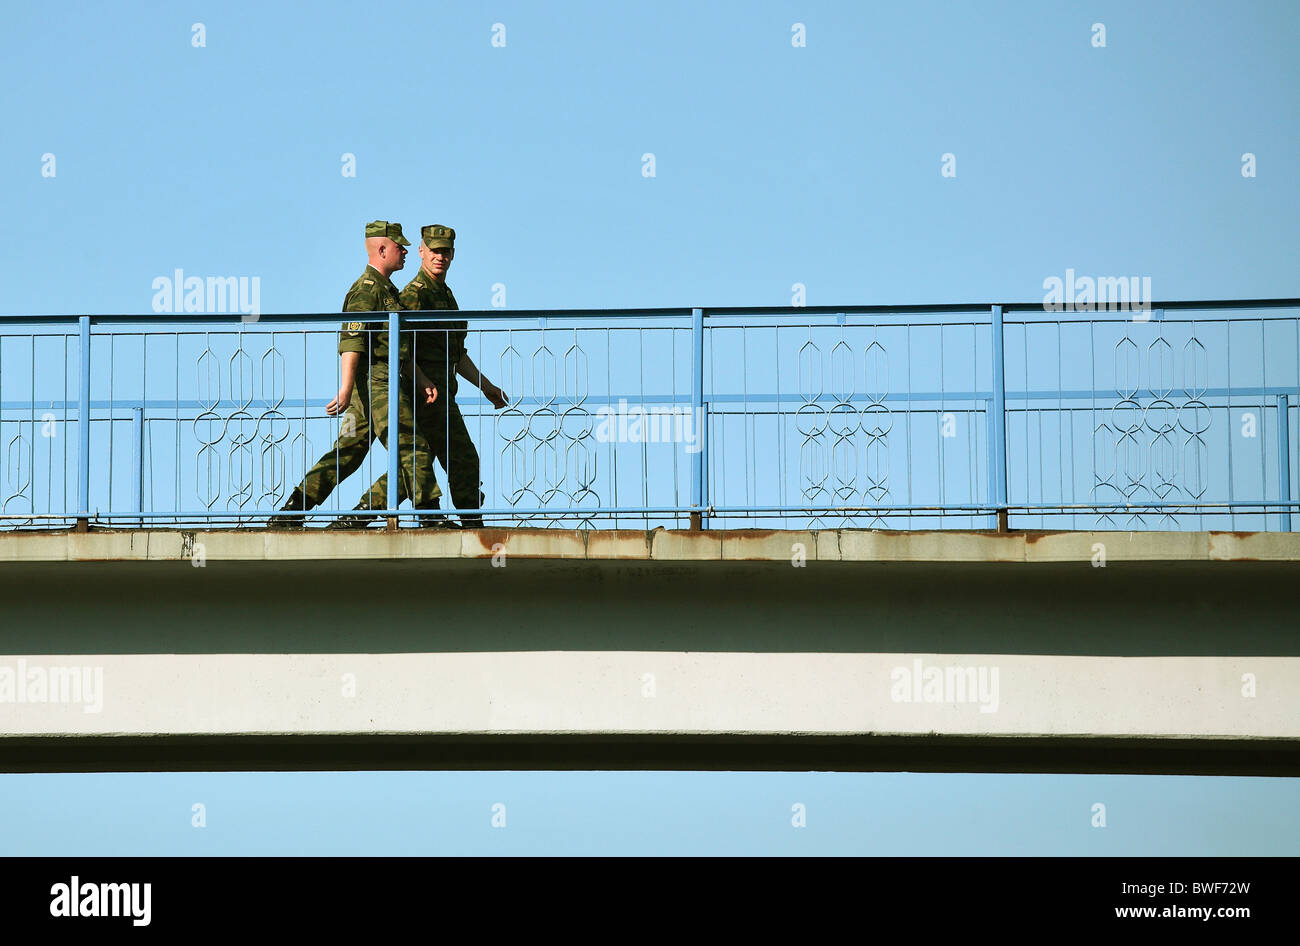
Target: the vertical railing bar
pixel 645 447
pixel 137 458
pixel 972 469
pixel 3 459
pixel 63 431
pixel 943 402
pixel 1232 516
pixel 394 435
pixel 31 424
pixel 1200 517
pixel 609 393
pixel 448 373
pixel 744 416
pixel 303 424
pixel 49 470
pixel 719 485
pixel 216 402
pixel 144 399
pixel 335 425
pixel 1024 350
pixel 1284 461
pixel 907 425
pixel 972 428
pixel 148 453
pixel 112 365
pixel 83 433
pixel 1060 426
pixel 1263 427
pixel 672 335
pixel 1092 416
pixel 1042 477
pixel 990 464
pixel 698 486
pixel 433 462
pixel 999 422
pixel 1295 325
pixel 1074 476
pixel 176 410
pixel 780 422
pixel 706 472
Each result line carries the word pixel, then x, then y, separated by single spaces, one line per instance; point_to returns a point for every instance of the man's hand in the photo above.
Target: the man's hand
pixel 469 371
pixel 348 362
pixel 340 403
pixel 494 394
pixel 428 387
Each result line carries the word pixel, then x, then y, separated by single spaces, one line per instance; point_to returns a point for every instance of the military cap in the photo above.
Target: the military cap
pixel 436 235
pixel 382 228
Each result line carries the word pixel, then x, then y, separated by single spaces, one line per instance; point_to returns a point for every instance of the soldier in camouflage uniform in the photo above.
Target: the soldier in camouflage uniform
pixel 363 396
pixel 439 354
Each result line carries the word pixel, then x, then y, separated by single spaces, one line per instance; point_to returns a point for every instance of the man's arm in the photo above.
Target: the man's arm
pixel 348 362
pixel 469 371
pixel 425 386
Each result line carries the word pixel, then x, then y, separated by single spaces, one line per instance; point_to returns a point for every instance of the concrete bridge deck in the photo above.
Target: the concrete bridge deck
pixel 846 545
pixel 539 648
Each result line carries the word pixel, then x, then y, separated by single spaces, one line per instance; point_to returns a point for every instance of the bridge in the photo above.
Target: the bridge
pixel 951 538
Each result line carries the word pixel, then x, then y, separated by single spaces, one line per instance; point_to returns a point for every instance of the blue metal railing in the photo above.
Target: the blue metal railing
pixel 1175 417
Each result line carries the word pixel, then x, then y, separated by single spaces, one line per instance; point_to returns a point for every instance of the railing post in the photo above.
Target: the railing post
pixel 394 435
pixel 699 485
pixel 1284 460
pixel 990 438
pixel 137 465
pixel 999 444
pixel 83 429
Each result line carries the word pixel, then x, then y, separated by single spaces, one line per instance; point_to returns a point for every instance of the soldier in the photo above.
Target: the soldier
pixel 439 354
pixel 363 396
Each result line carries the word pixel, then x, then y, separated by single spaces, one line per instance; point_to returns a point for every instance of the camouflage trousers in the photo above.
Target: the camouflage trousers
pixel 365 419
pixel 444 429
pixel 450 442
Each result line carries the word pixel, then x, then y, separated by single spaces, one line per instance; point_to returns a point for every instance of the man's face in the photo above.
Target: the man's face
pixel 395 252
pixel 438 261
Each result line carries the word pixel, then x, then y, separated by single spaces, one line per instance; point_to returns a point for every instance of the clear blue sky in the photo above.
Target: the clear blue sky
pixel 774 165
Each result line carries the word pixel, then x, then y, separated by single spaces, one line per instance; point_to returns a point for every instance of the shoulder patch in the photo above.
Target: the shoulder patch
pixel 355 326
pixel 367 282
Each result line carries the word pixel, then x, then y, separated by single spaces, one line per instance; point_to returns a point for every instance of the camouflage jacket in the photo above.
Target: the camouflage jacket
pixel 372 292
pixel 439 346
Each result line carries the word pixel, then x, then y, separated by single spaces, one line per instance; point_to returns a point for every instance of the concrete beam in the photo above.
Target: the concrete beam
pixel 728 753
pixel 537 649
pixel 846 545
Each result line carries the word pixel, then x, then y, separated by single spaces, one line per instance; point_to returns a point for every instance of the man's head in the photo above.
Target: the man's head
pixel 437 250
pixel 385 246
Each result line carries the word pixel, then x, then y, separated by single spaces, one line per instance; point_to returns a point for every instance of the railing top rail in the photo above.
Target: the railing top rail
pixel 1078 314
pixel 443 315
pixel 1284 303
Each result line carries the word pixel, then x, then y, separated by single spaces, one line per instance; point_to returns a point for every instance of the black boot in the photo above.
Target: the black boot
pixel 472 520
pixel 296 502
pixel 354 521
pixel 435 522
